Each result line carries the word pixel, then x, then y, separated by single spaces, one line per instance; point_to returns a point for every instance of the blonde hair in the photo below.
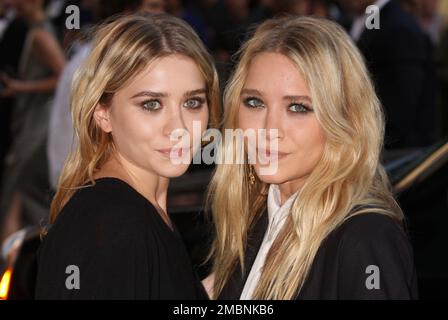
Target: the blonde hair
pixel 347 180
pixel 120 50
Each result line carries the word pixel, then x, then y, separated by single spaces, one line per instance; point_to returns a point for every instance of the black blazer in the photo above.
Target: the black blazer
pixel 400 58
pixel 340 266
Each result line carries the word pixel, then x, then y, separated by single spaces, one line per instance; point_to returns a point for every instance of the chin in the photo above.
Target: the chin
pixel 277 178
pixel 172 171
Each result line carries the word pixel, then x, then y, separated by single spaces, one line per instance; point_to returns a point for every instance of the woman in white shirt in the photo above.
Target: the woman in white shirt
pixel 323 224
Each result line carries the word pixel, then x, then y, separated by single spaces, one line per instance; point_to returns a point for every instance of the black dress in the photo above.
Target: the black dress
pixel 121 247
pixel 367 257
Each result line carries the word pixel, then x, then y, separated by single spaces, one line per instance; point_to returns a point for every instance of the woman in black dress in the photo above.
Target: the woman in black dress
pixel 146 84
pixel 312 217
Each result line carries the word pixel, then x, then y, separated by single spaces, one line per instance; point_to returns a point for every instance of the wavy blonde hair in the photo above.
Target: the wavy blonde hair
pixel 120 50
pixel 348 180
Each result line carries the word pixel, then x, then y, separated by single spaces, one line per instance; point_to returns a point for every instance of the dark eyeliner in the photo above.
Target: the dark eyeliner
pixel 247 100
pixel 200 101
pixel 145 108
pixel 305 108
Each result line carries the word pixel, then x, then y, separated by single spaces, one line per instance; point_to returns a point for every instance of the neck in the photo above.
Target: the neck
pixel 150 185
pixel 287 189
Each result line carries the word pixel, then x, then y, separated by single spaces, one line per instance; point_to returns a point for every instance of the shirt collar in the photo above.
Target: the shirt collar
pixel 276 211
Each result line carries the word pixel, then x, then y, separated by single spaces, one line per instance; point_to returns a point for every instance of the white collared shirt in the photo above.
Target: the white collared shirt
pixel 277 214
pixel 359 23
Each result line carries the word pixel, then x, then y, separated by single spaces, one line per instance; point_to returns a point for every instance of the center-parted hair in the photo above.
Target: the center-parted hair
pixel 348 179
pixel 121 49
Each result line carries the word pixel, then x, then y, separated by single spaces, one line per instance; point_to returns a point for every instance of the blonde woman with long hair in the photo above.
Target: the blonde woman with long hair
pixel 110 237
pixel 324 224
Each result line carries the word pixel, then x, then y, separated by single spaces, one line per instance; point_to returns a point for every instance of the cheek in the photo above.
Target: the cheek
pixel 309 141
pixel 248 119
pixel 196 123
pixel 132 128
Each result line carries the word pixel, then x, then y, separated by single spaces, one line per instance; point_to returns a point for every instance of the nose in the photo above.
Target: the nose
pixel 274 124
pixel 175 127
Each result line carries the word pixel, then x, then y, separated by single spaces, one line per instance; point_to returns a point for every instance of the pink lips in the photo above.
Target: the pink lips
pixel 271 154
pixel 176 152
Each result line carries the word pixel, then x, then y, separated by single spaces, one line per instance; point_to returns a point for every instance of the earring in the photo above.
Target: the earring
pixel 251 175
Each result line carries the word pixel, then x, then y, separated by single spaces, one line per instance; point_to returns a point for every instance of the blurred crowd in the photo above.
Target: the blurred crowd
pixel 407 58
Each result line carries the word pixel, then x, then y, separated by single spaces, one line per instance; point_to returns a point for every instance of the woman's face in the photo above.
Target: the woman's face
pixel 275 96
pixel 168 94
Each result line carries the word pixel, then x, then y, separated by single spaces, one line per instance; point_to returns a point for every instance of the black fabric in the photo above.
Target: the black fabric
pixel 121 245
pixel 11 45
pixel 400 58
pixel 339 268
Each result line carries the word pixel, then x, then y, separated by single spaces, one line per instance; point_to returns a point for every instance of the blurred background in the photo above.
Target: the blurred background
pixel 407 58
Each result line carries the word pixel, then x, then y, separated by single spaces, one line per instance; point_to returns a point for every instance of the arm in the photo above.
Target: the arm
pixel 92 254
pixel 52 56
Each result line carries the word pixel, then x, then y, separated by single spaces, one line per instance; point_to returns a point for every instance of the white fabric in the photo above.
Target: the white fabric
pixel 359 23
pixel 60 131
pixel 6 20
pixel 277 214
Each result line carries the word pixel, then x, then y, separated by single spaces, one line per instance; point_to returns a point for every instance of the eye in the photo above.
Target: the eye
pixel 151 105
pixel 299 108
pixel 252 102
pixel 194 103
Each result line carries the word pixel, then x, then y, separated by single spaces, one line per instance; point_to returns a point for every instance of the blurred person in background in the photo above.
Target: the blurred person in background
pixel 266 9
pixel 25 195
pixel 430 19
pixel 12 36
pixel 189 12
pixel 399 56
pixel 442 58
pixel 429 14
pixel 151 6
pixel 55 10
pixel 435 24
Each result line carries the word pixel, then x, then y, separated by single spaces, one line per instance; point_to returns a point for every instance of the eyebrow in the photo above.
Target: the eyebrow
pixel 295 98
pixel 288 97
pixel 155 94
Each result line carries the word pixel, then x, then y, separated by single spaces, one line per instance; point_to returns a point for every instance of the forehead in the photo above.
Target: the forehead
pixel 168 74
pixel 275 73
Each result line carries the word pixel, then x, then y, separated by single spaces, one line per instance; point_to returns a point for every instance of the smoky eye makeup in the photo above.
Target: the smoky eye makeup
pixel 194 103
pixel 299 107
pixel 151 105
pixel 253 102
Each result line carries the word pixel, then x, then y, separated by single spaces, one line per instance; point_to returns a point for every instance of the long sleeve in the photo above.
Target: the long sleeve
pixel 105 257
pixel 115 246
pixel 375 260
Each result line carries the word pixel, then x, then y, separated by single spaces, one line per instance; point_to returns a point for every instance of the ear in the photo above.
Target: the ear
pixel 102 117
